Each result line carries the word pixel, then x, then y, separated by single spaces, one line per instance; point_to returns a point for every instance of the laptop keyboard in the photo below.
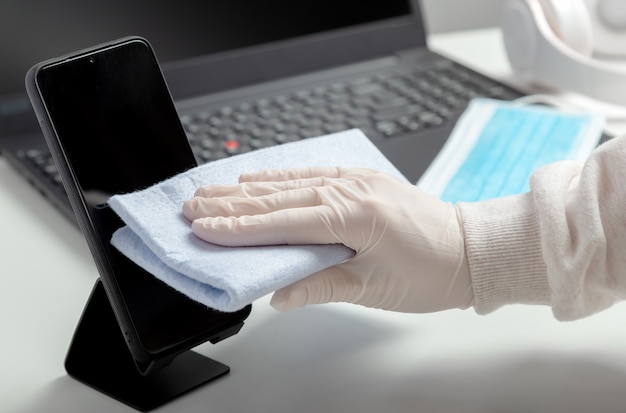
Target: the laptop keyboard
pixel 383 106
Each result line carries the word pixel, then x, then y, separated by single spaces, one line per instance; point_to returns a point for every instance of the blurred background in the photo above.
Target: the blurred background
pixel 467 15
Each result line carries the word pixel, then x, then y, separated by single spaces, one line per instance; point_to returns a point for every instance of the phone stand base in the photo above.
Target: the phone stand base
pixel 99 357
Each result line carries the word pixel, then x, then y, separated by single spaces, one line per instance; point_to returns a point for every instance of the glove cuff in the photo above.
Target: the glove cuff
pixel 503 246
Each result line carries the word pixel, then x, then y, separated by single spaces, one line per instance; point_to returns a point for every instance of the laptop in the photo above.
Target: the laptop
pixel 247 74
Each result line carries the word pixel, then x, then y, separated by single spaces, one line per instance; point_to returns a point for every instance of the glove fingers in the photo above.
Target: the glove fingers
pixel 278 175
pixel 254 189
pixel 196 208
pixel 274 228
pixel 259 197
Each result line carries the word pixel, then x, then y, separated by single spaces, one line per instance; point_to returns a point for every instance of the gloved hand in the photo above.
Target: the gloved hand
pixel 410 253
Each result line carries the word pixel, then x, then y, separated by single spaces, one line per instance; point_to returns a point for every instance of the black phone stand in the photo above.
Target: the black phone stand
pixel 98 357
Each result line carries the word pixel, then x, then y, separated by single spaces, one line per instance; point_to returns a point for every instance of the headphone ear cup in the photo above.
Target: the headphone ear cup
pixel 520 37
pixel 539 57
pixel 571 22
pixel 609 26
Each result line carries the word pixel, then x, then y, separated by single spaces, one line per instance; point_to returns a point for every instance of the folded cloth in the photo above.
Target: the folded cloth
pixel 158 237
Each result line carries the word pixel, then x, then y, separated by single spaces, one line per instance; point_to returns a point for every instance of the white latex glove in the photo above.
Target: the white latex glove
pixel 410 253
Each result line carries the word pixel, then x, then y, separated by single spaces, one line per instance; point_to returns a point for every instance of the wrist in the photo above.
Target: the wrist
pixel 461 294
pixel 504 254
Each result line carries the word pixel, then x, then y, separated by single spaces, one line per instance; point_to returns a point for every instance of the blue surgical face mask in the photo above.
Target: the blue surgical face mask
pixel 496 146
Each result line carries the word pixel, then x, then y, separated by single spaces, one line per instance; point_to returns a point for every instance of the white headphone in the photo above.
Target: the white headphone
pixel 569 44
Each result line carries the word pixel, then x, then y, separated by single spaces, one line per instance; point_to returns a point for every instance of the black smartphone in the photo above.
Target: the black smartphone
pixel 112 127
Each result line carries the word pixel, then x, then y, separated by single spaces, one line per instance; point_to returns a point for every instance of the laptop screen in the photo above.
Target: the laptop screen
pixel 36 30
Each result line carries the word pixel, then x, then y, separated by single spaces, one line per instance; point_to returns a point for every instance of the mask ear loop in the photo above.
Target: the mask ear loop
pixel 575 102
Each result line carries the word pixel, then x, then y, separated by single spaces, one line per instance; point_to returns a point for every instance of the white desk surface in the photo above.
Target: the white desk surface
pixel 328 358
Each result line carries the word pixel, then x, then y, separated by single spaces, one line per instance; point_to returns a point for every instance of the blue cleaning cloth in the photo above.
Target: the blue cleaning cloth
pixel 158 237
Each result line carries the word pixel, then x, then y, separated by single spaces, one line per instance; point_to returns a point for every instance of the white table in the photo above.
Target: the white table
pixel 335 357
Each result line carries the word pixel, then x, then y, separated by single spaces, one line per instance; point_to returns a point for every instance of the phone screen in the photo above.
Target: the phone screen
pixel 118 131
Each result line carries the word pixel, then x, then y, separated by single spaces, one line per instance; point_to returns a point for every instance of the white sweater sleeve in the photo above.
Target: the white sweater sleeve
pixel 562 244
